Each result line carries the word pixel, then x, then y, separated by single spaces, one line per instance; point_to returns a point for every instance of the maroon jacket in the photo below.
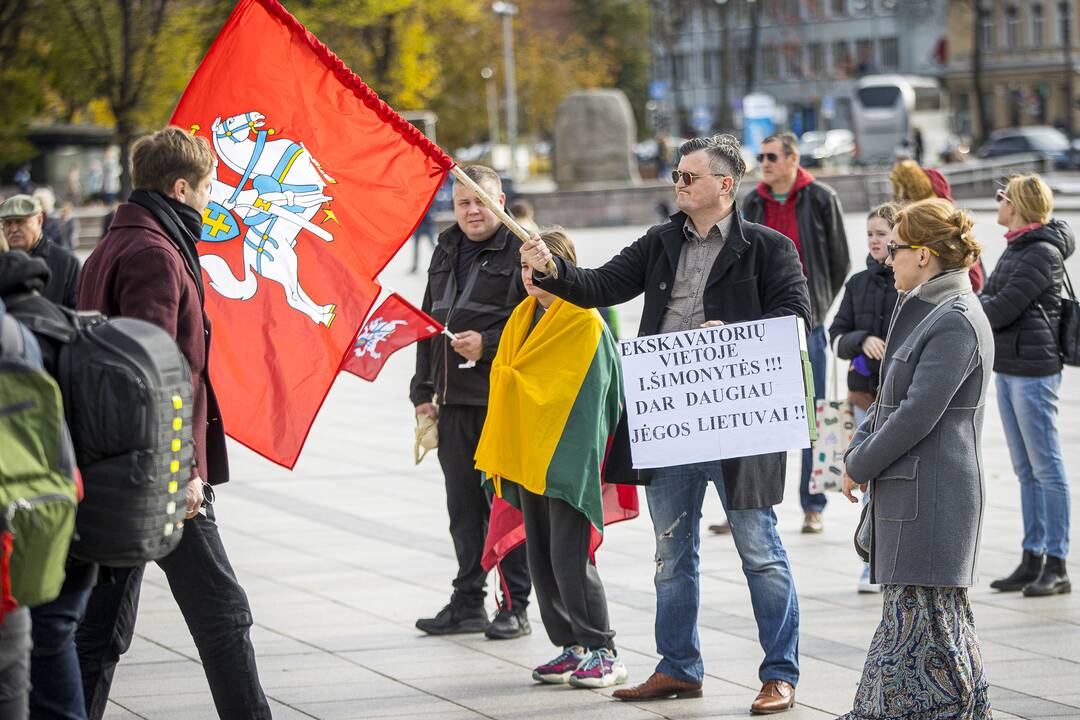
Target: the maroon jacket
pixel 137 271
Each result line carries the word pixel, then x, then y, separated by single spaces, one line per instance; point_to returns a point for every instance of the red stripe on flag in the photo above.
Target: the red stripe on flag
pixel 506 527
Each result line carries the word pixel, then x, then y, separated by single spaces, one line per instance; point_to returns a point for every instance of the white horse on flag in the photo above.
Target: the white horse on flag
pixel 281 190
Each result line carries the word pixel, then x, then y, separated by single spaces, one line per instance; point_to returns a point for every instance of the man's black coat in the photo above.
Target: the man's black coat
pixel 756 275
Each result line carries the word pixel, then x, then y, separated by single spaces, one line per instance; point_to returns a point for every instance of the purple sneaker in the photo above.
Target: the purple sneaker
pixel 602 669
pixel 558 671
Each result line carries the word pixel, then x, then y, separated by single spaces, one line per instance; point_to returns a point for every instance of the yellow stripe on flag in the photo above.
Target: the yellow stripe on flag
pixel 535 379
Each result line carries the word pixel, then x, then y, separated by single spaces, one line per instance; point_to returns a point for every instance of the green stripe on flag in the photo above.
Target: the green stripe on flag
pixel 574 472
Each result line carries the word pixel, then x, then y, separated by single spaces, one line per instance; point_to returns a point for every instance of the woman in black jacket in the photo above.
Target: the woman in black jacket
pixel 858 331
pixel 1022 299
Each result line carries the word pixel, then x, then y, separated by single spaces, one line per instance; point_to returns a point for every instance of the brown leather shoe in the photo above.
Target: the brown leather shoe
pixel 776 696
pixel 658 687
pixel 723 528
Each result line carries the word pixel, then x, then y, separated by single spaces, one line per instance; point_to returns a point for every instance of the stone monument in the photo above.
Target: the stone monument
pixel 594 137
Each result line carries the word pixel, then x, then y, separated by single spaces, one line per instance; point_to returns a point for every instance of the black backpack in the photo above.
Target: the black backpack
pixel 127 397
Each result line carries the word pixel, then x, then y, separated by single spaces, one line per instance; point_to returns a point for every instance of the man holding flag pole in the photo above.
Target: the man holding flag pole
pixel 706 267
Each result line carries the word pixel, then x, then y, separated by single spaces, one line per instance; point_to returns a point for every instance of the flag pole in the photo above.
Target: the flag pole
pixel 503 216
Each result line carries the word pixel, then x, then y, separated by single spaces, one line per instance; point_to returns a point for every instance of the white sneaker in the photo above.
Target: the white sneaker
pixel 865 586
pixel 558 670
pixel 602 669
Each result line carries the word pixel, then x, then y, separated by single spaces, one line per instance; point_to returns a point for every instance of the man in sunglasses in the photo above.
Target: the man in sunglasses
pixel 704 267
pixel 790 201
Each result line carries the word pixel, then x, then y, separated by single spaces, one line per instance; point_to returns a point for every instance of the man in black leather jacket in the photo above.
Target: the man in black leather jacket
pixel 474 283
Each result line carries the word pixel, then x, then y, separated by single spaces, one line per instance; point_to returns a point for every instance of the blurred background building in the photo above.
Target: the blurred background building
pixel 807 54
pixel 1026 46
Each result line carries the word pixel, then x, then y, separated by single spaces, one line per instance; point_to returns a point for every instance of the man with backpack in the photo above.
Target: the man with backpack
pixel 17 348
pixel 54 669
pixel 147 267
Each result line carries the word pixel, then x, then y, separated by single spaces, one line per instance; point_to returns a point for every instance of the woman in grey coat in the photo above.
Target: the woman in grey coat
pixel 919 450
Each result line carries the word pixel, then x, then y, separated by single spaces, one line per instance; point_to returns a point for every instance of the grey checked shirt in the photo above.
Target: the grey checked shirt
pixel 686 309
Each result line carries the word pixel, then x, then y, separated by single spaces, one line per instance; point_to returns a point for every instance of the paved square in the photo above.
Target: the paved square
pixel 341 556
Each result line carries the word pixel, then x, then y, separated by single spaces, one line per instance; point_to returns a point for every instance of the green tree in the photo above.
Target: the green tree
pixel 23 96
pixel 620 28
pixel 135 54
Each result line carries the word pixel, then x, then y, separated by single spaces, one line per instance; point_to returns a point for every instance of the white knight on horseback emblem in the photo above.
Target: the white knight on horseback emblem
pixel 375 332
pixel 282 191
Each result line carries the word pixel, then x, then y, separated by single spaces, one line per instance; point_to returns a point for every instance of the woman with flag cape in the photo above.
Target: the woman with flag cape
pixel 555 400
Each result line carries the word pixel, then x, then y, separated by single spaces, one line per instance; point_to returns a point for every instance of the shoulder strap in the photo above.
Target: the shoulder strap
pixel 63 331
pixel 1068 281
pixel 52 329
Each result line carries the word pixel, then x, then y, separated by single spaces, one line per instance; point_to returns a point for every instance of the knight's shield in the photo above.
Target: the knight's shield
pixel 219 224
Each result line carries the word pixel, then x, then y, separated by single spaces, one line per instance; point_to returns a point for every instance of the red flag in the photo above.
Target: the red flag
pixel 318 184
pixel 506 528
pixel 395 325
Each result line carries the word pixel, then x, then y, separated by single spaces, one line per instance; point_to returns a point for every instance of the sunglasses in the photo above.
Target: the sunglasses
pixel 688 178
pixel 771 157
pixel 1001 197
pixel 893 247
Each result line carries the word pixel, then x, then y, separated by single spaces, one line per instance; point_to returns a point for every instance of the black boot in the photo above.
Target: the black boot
pixel 509 624
pixel 1052 581
pixel 1028 572
pixel 456 618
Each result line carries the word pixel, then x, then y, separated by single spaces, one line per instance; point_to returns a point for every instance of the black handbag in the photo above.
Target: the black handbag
pixel 1069 327
pixel 1069 331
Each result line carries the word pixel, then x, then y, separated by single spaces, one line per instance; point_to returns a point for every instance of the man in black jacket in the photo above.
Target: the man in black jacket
pixel 474 283
pixel 790 201
pixel 706 267
pixel 23 221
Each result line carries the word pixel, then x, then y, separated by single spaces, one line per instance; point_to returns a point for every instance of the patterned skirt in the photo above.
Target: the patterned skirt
pixel 924 661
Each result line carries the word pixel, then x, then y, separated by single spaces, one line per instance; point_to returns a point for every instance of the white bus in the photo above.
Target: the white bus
pixel 888 109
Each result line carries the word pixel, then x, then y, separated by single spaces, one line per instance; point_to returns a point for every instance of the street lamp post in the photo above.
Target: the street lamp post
pixel 1066 15
pixel 492 106
pixel 508 10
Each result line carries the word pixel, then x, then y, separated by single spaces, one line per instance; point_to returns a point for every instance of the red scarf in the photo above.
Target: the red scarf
pixel 1013 234
pixel 782 217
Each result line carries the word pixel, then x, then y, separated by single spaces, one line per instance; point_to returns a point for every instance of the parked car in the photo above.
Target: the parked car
pixel 1041 139
pixel 831 147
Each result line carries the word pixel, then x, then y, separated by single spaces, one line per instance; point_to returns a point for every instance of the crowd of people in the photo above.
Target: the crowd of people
pixel 525 397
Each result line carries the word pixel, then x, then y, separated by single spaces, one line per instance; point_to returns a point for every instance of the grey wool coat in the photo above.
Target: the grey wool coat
pixel 920 445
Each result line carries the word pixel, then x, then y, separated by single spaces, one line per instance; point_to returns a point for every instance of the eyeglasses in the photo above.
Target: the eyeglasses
pixel 1001 197
pixel 771 157
pixel 893 247
pixel 688 178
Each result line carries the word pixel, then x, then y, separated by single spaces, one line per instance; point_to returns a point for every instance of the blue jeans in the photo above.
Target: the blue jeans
pixel 1029 408
pixel 57 692
pixel 817 348
pixel 675 496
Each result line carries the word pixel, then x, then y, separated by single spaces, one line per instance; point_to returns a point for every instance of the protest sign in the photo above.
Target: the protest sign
pixel 715 393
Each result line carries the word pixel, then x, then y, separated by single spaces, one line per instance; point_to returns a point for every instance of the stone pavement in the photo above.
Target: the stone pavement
pixel 342 555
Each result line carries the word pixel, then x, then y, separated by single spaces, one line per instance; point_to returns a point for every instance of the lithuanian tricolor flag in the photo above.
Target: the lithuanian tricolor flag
pixel 556 396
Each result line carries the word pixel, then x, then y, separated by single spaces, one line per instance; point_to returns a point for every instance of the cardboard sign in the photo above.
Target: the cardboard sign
pixel 716 393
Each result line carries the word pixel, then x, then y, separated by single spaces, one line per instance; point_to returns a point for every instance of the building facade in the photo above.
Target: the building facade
pixel 1024 48
pixel 808 56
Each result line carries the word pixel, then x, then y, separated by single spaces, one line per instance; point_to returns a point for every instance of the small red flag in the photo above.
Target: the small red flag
pixel 318 184
pixel 395 325
pixel 506 527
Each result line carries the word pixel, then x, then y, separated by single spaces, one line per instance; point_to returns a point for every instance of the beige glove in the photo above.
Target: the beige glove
pixel 427 436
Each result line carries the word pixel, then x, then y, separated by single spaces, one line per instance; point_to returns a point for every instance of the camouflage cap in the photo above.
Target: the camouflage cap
pixel 19 206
